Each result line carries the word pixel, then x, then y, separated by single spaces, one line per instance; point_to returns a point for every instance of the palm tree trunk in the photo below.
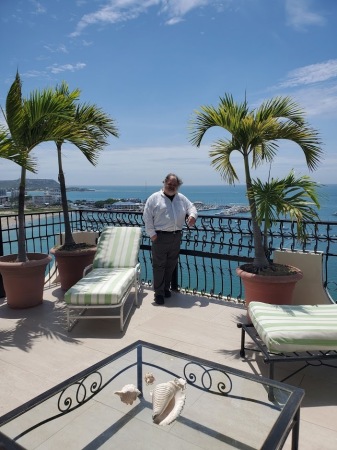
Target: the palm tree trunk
pixel 260 258
pixel 22 255
pixel 68 237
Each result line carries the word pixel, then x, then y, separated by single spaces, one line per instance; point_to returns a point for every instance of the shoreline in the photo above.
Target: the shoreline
pixel 12 221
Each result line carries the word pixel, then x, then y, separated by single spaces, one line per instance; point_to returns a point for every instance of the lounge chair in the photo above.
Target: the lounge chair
pixel 285 333
pixel 107 282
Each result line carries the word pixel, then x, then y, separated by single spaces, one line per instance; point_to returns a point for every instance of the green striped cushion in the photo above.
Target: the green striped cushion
pixel 295 328
pixel 101 287
pixel 118 247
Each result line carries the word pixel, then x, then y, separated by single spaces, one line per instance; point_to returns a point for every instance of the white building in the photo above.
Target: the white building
pixel 46 199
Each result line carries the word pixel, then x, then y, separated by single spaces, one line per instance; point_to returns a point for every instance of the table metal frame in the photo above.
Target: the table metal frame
pixel 288 420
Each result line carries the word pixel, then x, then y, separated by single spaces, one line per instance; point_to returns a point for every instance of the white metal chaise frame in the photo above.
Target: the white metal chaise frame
pixel 107 283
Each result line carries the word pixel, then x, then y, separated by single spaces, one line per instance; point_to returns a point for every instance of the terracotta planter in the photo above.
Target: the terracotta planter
pixel 277 290
pixel 71 264
pixel 24 282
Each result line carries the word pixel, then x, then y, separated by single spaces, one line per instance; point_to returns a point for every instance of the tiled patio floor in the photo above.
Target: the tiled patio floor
pixel 37 352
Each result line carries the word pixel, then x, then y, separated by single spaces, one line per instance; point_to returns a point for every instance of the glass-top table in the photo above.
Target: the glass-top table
pixel 223 407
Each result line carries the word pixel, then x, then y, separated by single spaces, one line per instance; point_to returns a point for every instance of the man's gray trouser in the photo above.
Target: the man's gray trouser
pixel 165 254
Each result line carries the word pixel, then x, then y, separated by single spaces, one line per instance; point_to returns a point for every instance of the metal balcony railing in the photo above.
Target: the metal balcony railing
pixel 210 251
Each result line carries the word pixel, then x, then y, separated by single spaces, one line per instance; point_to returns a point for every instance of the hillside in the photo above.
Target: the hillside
pixel 31 184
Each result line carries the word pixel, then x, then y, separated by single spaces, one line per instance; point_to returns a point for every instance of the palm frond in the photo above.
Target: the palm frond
pixel 280 107
pixel 294 197
pixel 220 154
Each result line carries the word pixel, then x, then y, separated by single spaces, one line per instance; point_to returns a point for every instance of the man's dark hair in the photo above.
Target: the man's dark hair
pixel 179 180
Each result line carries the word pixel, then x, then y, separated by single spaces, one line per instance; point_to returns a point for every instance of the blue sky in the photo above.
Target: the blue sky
pixel 150 63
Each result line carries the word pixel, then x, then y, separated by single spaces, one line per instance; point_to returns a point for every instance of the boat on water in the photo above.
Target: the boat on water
pixel 233 210
pixel 201 206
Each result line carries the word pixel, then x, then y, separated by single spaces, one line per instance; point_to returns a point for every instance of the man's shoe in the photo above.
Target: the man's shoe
pixel 167 294
pixel 159 299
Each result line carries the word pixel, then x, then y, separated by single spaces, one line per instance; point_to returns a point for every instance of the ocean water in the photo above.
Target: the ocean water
pixel 218 194
pixel 206 194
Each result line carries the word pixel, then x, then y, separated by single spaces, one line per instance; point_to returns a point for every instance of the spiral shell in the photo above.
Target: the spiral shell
pixel 128 393
pixel 149 378
pixel 168 401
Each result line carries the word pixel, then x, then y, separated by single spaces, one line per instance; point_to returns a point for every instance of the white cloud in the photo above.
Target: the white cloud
pixel 33 74
pixel 314 87
pixel 113 12
pixel 86 43
pixel 152 163
pixel 318 101
pixel 313 73
pixel 39 8
pixel 60 49
pixel 299 16
pixel 174 21
pixel 116 11
pixel 55 68
pixel 179 8
pixel 114 167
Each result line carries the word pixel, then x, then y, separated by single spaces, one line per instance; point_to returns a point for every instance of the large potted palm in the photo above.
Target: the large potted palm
pixel 8 151
pixel 292 197
pixel 41 117
pixel 95 126
pixel 255 134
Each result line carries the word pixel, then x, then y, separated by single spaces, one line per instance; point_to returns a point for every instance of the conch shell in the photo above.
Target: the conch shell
pixel 149 378
pixel 128 393
pixel 168 400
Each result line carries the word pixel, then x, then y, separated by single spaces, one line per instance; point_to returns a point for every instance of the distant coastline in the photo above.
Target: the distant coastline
pixel 40 184
pixel 80 189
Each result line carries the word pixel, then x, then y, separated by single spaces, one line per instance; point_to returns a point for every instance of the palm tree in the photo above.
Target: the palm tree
pixel 255 134
pixel 93 127
pixel 290 196
pixel 42 117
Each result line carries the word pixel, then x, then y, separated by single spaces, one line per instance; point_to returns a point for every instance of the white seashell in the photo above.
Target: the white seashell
pixel 128 393
pixel 149 378
pixel 168 401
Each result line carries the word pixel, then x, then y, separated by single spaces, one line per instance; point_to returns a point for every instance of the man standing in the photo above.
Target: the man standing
pixel 164 216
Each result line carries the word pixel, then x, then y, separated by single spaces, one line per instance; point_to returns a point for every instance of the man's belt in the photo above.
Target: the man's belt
pixel 168 232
